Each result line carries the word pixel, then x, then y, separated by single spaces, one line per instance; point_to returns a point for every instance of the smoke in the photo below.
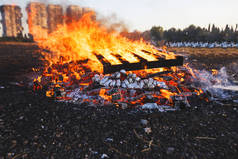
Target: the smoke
pixel 220 85
pixel 112 22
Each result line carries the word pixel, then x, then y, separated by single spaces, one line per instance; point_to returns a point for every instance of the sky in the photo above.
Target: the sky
pixel 143 14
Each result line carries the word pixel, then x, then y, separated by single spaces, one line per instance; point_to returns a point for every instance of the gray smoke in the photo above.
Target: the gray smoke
pixel 221 85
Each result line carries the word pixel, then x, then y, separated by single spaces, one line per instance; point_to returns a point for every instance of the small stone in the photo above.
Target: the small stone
pixel 133 76
pixel 113 75
pixel 162 85
pixel 126 82
pixel 124 105
pixel 118 83
pixel 109 139
pixel 134 85
pixel 235 101
pixel 144 121
pixel 148 130
pixel 170 150
pixel 150 106
pixel 104 80
pixel 123 71
pixel 123 85
pixel 108 83
pixel 130 80
pixel 151 86
pixel 137 79
pixel 113 83
pixel 141 85
pixel 118 75
pixel 137 85
pixel 130 86
pixel 104 156
pixel 130 75
pixel 132 92
pixel 150 81
pixel 146 81
pixel 155 82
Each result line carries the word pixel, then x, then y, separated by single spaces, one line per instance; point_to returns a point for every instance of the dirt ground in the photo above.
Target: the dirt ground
pixel 212 58
pixel 33 126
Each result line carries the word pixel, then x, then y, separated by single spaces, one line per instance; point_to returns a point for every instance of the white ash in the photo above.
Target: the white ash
pixel 118 75
pixel 109 139
pixel 96 78
pixel 104 80
pixel 219 85
pixel 134 76
pixel 150 82
pixel 109 83
pixel 162 108
pixel 146 81
pixel 123 71
pixel 137 79
pixel 150 106
pixel 118 83
pixel 126 82
pixel 113 83
pixel 162 84
pixel 131 81
pixel 123 85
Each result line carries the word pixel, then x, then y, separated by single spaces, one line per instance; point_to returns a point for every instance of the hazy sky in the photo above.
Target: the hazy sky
pixel 143 14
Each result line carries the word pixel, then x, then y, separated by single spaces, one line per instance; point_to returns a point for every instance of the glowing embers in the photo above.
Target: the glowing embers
pixel 81 53
pixel 123 89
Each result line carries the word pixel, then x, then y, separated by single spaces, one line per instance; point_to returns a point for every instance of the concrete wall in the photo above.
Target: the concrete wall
pixel 11 20
pixel 42 19
pixel 37 19
pixel 55 17
pixel 73 13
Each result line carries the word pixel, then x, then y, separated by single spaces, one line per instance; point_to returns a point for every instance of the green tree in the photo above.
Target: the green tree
pixel 157 33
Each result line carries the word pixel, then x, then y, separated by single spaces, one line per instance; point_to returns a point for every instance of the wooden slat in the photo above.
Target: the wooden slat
pixel 143 65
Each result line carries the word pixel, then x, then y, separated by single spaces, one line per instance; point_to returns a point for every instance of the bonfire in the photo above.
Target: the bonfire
pixel 87 63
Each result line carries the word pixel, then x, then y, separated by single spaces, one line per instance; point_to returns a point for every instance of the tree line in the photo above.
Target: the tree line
pixel 195 33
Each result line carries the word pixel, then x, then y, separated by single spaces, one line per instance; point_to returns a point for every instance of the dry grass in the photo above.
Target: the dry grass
pixel 206 51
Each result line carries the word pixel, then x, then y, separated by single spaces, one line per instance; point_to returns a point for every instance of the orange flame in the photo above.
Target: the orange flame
pixel 83 39
pixel 72 50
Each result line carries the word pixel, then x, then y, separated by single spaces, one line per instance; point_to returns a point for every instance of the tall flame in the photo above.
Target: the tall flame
pixel 86 38
pixel 71 52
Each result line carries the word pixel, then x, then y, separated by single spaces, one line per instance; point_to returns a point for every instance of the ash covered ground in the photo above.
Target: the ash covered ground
pixel 33 126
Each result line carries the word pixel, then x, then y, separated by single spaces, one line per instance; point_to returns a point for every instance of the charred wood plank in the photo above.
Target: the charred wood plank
pixel 119 57
pixel 158 74
pixel 156 55
pixel 143 65
pixel 140 58
pixel 103 60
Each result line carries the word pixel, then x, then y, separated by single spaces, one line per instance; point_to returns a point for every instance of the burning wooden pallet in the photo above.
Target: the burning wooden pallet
pixel 108 68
